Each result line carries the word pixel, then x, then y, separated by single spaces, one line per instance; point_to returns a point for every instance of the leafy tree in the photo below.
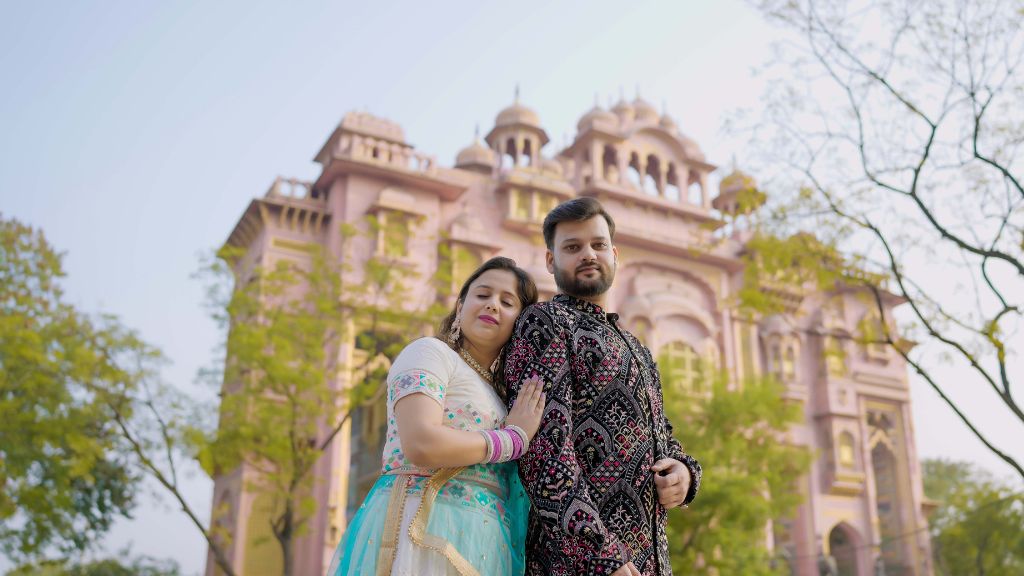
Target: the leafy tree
pixel 898 127
pixel 64 474
pixel 121 566
pixel 739 434
pixel 978 527
pixel 288 328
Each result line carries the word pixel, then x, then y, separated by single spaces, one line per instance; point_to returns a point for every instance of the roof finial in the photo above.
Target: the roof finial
pixel 638 91
pixel 517 93
pixel 733 161
pixel 476 133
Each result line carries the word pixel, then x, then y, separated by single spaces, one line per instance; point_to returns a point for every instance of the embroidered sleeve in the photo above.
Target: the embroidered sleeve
pixel 423 367
pixel 550 472
pixel 415 382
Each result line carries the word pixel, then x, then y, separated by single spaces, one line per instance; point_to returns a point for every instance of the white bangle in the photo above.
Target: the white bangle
pixel 522 435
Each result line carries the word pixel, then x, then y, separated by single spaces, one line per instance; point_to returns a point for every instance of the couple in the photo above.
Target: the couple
pixel 585 442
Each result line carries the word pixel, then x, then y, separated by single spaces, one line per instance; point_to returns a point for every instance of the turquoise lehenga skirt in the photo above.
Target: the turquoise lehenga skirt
pixel 467 521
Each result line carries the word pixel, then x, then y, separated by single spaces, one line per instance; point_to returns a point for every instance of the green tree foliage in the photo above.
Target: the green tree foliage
pixel 978 527
pixel 739 434
pixel 121 566
pixel 288 326
pixel 64 474
pixel 893 131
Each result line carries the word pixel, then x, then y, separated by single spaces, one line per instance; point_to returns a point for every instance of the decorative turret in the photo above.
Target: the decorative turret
pixel 598 118
pixel 517 114
pixel 668 123
pixel 517 136
pixel 476 157
pixel 738 194
pixel 645 112
pixel 625 111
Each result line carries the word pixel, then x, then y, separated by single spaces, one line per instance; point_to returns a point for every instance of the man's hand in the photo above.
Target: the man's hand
pixel 672 478
pixel 627 569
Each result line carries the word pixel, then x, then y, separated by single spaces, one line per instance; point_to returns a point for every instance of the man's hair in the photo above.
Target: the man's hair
pixel 575 210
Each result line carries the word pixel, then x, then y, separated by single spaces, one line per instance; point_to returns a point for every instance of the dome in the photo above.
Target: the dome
pixel 517 114
pixel 625 111
pixel 644 110
pixel 594 116
pixel 735 181
pixel 668 123
pixel 691 147
pixel 738 194
pixel 476 154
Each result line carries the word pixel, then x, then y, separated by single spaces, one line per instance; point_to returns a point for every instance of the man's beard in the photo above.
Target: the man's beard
pixel 573 285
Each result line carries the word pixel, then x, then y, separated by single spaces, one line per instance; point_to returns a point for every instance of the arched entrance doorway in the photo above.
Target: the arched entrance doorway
pixel 843 545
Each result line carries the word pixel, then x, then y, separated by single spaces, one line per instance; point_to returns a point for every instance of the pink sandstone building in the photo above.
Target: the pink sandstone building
pixel 679 273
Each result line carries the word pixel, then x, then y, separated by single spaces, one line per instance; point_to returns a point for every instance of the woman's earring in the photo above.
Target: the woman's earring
pixel 456 332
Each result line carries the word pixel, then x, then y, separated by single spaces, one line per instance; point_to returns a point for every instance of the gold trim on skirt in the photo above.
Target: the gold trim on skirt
pixel 392 523
pixel 418 527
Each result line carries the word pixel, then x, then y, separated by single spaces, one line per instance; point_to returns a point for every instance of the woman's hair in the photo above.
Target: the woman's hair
pixel 525 289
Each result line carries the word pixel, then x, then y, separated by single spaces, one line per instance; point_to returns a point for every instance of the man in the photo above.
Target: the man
pixel 604 467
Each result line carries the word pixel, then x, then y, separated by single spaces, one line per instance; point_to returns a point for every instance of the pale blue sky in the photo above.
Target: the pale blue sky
pixel 135 133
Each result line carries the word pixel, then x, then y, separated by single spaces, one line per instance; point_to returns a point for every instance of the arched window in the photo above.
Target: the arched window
pixel 545 203
pixel 527 157
pixel 520 207
pixel 651 184
pixel 789 362
pixel 611 164
pixel 775 356
pixel 873 336
pixel 633 172
pixel 835 357
pixel 684 368
pixel 847 456
pixel 672 191
pixel 694 191
pixel 510 156
pixel 395 229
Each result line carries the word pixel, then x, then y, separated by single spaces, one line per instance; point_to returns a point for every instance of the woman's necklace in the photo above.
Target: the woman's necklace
pixel 483 372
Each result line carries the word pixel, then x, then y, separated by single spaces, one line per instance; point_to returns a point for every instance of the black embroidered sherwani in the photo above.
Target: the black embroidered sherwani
pixel 587 472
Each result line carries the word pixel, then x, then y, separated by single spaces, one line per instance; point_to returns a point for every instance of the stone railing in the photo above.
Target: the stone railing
pixel 292 188
pixel 385 152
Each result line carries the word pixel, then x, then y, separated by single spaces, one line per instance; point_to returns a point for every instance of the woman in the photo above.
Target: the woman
pixel 449 499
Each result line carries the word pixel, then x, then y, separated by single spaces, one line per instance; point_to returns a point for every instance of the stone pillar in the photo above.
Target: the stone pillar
pixel 597 157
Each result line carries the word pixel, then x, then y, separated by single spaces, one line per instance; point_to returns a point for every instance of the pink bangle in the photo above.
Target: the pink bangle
pixel 517 444
pixel 496 439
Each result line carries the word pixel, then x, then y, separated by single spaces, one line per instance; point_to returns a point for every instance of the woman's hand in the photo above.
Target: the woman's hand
pixel 529 407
